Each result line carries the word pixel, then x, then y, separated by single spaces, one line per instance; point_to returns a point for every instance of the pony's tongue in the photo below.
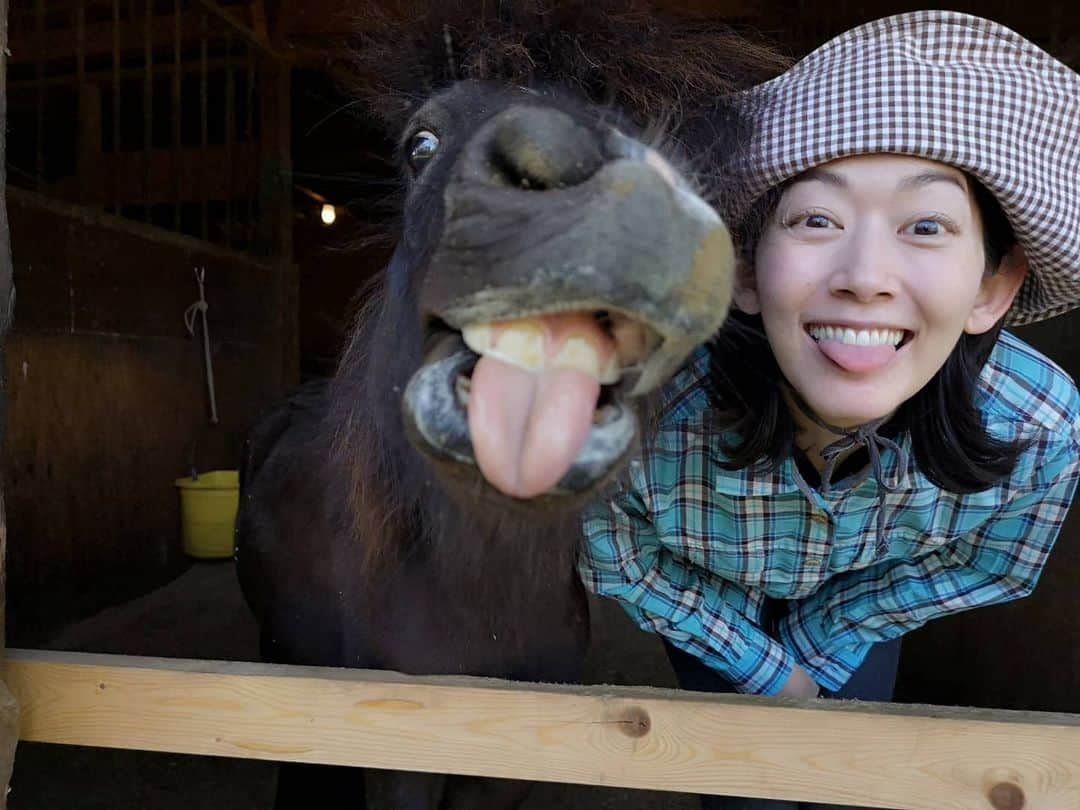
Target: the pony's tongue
pixel 527 427
pixel 856 359
pixel 533 396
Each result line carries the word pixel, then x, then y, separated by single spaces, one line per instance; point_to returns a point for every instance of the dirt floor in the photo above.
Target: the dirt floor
pixel 202 615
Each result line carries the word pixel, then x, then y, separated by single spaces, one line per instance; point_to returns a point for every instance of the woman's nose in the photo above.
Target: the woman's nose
pixel 867 269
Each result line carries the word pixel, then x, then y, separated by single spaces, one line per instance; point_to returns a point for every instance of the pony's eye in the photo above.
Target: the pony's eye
pixel 422 148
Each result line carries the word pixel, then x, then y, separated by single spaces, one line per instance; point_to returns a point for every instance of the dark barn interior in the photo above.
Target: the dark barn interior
pixel 150 139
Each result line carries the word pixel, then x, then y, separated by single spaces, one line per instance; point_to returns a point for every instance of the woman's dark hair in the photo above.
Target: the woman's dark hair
pixel 950 443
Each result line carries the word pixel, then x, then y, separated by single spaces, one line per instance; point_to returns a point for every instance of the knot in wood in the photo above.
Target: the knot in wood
pixel 634 721
pixel 1006 796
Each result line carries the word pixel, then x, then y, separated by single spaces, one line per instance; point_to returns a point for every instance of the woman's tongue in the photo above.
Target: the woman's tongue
pixel 528 424
pixel 856 359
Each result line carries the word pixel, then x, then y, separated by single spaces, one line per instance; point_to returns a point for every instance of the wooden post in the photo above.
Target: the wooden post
pixel 9 714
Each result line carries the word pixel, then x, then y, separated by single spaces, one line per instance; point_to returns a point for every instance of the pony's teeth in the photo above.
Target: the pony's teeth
pixel 522 343
pixel 579 353
pixel 477 336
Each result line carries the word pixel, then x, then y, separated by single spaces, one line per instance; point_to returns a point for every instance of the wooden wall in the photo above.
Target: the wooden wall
pixel 107 392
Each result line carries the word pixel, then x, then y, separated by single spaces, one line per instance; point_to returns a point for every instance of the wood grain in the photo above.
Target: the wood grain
pixel 868 754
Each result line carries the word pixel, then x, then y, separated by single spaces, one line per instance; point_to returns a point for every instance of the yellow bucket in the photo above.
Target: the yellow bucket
pixel 208 507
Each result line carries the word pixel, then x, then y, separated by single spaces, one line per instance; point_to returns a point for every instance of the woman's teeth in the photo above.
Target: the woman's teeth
pixel 858 337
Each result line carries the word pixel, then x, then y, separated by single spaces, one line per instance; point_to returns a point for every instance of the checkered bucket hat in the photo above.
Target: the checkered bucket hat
pixel 957 89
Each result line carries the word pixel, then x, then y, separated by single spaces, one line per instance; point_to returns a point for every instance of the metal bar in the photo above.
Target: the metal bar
pixel 240 28
pixel 230 125
pixel 177 105
pixel 39 75
pixel 249 135
pixel 116 77
pixel 148 105
pixel 80 63
pixel 204 111
pixel 80 42
pixel 1056 26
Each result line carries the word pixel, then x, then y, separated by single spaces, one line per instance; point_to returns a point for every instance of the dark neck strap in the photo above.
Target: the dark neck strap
pixel 867 436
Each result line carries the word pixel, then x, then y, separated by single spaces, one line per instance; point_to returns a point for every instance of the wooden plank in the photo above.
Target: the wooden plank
pixel 255 37
pixel 827 751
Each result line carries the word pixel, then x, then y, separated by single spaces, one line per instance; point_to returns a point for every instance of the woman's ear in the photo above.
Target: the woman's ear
pixel 999 288
pixel 745 293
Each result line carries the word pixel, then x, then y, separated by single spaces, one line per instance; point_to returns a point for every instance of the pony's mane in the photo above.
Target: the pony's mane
pixel 679 75
pixel 615 52
pixel 390 502
pixel 675 77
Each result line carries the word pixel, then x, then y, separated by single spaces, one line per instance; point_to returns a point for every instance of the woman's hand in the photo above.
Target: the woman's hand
pixel 799 685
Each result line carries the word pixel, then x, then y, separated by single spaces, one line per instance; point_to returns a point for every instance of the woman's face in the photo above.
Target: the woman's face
pixel 865 278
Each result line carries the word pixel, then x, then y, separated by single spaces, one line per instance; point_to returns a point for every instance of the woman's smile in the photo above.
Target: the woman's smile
pixel 858 349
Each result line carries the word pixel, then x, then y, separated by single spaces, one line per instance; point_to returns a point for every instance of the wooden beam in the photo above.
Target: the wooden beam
pixel 254 37
pixel 103 78
pixel 258 20
pixel 192 174
pixel 876 755
pixel 32 46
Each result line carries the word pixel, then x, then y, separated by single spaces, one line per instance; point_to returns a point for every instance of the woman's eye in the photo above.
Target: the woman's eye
pixel 422 148
pixel 810 219
pixel 926 227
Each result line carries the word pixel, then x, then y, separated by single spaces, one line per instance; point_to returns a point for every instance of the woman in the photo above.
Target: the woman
pixel 863 449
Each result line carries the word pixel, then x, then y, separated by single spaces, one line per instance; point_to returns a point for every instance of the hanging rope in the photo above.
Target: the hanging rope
pixel 190 314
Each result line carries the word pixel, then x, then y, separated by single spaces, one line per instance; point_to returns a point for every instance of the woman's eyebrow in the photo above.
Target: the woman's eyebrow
pixel 926 178
pixel 825 176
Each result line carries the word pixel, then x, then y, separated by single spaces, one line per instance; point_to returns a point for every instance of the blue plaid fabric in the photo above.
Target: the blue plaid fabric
pixel 692 550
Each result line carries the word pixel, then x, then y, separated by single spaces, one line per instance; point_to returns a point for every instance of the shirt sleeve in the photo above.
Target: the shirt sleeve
pixel 1000 559
pixel 622 558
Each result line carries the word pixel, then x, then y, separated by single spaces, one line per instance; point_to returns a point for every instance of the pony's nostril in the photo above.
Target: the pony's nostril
pixel 539 148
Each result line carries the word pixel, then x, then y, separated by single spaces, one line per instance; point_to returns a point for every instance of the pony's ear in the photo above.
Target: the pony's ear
pixel 999 288
pixel 745 293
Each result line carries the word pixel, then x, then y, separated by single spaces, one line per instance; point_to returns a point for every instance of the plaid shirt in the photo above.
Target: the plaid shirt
pixel 692 550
